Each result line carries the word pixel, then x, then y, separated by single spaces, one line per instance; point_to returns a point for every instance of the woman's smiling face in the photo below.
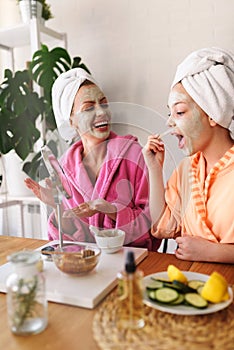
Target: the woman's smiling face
pixel 188 120
pixel 91 114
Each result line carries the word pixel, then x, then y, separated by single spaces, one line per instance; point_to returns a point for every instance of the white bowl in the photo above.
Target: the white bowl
pixel 110 240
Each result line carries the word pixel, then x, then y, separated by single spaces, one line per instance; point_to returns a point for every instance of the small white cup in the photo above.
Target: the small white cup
pixel 109 240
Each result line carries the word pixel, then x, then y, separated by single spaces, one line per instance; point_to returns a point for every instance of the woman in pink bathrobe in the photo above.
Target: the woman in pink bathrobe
pixel 106 172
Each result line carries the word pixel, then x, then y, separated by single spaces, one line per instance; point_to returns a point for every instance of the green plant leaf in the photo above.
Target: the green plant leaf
pixel 47 65
pixel 32 168
pixel 5 136
pixel 21 107
pixel 77 64
pixel 36 168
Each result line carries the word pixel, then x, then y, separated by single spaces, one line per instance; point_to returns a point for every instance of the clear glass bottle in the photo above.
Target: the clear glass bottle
pixel 26 297
pixel 130 310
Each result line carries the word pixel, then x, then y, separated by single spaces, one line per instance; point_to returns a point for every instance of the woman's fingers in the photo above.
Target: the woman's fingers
pixel 31 183
pixel 43 193
pixel 48 183
pixel 153 146
pixel 33 186
pixel 82 210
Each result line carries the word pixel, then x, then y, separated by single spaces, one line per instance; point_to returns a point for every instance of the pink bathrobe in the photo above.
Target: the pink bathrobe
pixel 122 181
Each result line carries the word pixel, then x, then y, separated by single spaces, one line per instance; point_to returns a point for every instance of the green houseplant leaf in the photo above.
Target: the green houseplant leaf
pixel 45 67
pixel 21 107
pixel 36 168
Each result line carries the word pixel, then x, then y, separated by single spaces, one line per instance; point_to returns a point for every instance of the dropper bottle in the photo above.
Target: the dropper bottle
pixel 130 311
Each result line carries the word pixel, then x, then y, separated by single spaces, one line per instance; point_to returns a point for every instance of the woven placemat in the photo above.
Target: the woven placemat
pixel 164 331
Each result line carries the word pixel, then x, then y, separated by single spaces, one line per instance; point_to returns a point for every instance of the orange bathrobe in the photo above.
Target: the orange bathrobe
pixel 198 205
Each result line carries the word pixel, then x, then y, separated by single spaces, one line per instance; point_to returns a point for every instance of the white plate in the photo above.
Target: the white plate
pixel 184 309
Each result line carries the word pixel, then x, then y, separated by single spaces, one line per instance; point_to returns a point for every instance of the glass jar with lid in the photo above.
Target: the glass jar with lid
pixel 26 295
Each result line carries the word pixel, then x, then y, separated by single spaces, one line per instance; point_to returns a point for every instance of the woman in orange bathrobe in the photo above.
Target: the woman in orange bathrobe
pixel 197 205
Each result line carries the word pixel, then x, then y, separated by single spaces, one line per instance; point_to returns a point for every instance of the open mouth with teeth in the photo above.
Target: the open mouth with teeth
pixel 102 125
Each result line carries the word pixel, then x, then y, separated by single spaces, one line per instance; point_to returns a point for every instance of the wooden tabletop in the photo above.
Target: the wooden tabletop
pixel 71 327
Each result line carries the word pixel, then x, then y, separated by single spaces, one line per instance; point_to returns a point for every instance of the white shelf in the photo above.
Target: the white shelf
pixel 19 35
pixel 33 34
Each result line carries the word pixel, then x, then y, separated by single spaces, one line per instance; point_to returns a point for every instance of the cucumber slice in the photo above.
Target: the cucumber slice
pixel 154 285
pixel 196 284
pixel 151 294
pixel 160 279
pixel 173 286
pixel 196 300
pixel 199 289
pixel 166 295
pixel 183 287
pixel 166 283
pixel 179 300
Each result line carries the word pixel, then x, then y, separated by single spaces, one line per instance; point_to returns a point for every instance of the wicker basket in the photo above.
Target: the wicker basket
pixel 164 331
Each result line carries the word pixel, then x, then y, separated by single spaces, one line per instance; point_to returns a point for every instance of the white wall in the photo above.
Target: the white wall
pixel 132 46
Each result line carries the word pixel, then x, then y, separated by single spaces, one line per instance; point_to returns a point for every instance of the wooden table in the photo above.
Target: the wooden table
pixel 71 327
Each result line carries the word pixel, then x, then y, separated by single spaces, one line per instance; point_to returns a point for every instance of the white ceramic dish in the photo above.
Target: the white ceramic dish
pixel 111 250
pixel 109 240
pixel 184 309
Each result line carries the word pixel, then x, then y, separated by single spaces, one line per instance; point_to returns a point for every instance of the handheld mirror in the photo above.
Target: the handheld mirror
pixel 56 172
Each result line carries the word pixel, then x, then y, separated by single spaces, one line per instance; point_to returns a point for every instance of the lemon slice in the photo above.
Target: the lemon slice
pixel 175 274
pixel 226 296
pixel 215 289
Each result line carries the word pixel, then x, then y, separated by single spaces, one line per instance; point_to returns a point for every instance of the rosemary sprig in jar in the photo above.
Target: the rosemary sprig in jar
pixel 24 299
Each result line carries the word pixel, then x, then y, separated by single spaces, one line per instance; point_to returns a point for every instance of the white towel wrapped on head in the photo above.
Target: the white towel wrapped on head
pixel 208 77
pixel 64 91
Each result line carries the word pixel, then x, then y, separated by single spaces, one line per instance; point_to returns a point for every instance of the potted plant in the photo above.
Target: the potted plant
pixel 21 108
pixel 46 11
pixel 34 8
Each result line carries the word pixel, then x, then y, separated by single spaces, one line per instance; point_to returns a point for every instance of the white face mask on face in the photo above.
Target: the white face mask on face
pixel 91 115
pixel 186 119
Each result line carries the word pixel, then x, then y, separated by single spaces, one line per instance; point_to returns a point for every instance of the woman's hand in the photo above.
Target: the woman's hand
pixel 91 208
pixel 45 194
pixel 200 249
pixel 153 151
pixel 194 248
